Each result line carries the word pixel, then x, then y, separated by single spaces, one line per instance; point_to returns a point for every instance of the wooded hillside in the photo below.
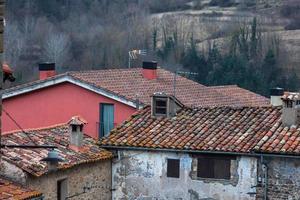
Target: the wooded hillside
pixel 250 43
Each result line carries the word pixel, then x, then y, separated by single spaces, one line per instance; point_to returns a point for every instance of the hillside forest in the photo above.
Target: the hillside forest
pixel 241 42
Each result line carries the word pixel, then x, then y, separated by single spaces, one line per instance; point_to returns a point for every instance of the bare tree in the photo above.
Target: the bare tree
pixel 56 48
pixel 13 44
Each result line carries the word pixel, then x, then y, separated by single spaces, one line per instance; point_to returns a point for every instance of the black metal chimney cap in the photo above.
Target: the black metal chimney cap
pixel 149 65
pixel 47 66
pixel 276 91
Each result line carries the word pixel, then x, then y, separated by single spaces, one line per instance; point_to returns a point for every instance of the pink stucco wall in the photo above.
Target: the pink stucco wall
pixel 57 104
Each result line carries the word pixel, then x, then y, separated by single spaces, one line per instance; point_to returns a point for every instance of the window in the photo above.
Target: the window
pixel 289 104
pixel 160 106
pixel 106 119
pixel 173 168
pixel 62 189
pixel 217 167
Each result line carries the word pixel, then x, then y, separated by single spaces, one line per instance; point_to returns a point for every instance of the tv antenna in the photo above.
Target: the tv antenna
pixel 177 72
pixel 133 55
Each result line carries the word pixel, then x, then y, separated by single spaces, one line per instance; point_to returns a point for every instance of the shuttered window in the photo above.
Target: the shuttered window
pixel 160 106
pixel 217 167
pixel 173 168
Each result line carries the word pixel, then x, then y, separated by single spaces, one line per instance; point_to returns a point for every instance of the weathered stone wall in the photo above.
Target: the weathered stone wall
pixel 283 179
pixel 12 172
pixel 95 175
pixel 142 175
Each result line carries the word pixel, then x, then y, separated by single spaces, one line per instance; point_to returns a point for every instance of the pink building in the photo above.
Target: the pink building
pixel 107 97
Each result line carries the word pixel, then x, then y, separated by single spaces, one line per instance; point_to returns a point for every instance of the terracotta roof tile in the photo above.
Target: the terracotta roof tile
pixel 227 129
pixel 29 159
pixel 130 84
pixel 12 191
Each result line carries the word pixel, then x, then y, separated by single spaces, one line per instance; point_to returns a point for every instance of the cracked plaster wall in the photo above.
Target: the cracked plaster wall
pixel 142 175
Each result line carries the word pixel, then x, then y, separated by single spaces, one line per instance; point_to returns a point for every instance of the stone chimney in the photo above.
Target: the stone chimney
pixel 291 109
pixel 276 94
pixel 149 70
pixel 76 125
pixel 46 70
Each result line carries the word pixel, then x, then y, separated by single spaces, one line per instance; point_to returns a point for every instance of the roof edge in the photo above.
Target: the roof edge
pixel 250 154
pixel 69 79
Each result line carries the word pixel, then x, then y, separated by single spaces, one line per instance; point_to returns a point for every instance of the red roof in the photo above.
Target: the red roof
pixel 223 129
pixel 58 135
pixel 12 191
pixel 131 85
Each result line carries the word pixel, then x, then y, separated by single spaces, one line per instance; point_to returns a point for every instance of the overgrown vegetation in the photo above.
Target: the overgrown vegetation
pixel 97 34
pixel 291 12
pixel 247 63
pixel 222 3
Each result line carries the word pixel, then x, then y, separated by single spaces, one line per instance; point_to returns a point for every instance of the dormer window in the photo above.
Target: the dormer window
pixel 160 106
pixel 164 105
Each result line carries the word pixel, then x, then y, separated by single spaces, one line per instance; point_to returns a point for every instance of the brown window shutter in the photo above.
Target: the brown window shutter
pixel 222 169
pixel 205 168
pixel 173 168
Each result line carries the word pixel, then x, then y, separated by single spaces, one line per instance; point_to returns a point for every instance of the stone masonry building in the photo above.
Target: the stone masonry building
pixel 83 173
pixel 220 153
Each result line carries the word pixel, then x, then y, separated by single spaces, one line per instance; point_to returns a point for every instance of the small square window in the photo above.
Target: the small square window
pixel 160 106
pixel 173 168
pixel 289 104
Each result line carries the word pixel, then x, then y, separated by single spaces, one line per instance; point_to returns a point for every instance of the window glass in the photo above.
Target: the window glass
pixel 160 106
pixel 106 119
pixel 173 168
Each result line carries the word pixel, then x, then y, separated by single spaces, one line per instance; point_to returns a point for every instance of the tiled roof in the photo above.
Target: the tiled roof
pixel 131 85
pixel 58 135
pixel 77 120
pixel 12 191
pixel 223 129
pixel 241 96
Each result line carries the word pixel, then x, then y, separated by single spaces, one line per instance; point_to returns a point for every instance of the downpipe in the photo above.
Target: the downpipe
pixel 265 177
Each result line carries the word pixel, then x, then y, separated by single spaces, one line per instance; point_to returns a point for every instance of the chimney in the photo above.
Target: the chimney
pixel 46 70
pixel 291 109
pixel 276 94
pixel 149 70
pixel 76 132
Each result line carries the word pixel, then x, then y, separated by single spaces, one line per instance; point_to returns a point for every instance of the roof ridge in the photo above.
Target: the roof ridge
pixel 35 129
pixel 220 86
